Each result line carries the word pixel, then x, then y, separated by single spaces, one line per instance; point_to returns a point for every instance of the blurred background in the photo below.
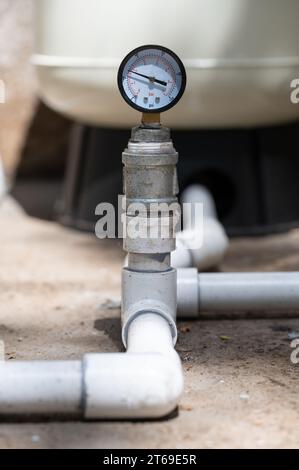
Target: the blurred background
pixel 16 47
pixel 64 125
pixel 33 139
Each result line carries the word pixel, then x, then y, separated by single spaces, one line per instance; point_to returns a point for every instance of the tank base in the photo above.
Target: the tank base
pixel 252 174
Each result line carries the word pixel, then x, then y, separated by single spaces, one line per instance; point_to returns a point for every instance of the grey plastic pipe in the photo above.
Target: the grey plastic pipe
pixel 218 292
pixel 208 234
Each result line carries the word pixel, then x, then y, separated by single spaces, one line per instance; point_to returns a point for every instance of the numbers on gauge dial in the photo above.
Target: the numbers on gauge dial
pixel 152 79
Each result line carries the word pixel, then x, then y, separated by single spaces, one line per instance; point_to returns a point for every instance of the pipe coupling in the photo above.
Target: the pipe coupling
pixel 145 292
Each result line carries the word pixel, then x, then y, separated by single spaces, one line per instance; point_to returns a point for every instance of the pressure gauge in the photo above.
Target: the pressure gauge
pixel 152 79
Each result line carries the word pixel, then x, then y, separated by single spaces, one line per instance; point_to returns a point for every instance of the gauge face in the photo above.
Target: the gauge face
pixel 152 79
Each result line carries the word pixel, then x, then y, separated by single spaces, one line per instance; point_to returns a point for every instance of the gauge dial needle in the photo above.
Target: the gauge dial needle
pixel 151 79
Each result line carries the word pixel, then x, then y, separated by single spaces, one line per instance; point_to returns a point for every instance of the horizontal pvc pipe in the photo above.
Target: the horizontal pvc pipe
pixel 145 382
pixel 236 292
pixel 40 387
pixel 249 291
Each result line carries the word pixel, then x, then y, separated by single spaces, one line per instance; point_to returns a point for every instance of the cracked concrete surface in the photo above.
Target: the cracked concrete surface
pixel 59 293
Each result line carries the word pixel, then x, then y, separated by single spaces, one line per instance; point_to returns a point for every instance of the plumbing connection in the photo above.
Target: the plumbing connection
pixel 203 294
pixel 144 382
pixel 147 381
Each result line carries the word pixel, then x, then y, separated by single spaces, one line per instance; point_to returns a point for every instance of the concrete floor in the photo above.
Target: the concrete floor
pixel 58 290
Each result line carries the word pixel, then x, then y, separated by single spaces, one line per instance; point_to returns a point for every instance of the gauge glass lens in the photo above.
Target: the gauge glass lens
pixel 152 79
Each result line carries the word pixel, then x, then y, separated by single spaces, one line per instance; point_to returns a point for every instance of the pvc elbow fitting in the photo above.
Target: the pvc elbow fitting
pixel 145 382
pixel 204 245
pixel 212 245
pixel 131 385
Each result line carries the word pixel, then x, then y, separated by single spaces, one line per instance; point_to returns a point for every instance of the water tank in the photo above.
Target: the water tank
pixel 240 56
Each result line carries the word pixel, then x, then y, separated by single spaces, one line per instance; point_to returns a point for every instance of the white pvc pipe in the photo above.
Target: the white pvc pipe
pixel 277 291
pixel 207 235
pixel 40 387
pixel 198 193
pixel 150 333
pixel 145 382
pixel 236 292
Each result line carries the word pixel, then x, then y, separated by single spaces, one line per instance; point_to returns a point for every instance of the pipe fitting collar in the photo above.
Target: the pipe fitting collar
pixel 144 292
pixel 132 316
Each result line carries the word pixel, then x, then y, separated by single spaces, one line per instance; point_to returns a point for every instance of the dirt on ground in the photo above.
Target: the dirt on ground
pixel 59 298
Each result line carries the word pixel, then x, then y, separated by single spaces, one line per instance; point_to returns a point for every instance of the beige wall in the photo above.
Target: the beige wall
pixel 16 43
